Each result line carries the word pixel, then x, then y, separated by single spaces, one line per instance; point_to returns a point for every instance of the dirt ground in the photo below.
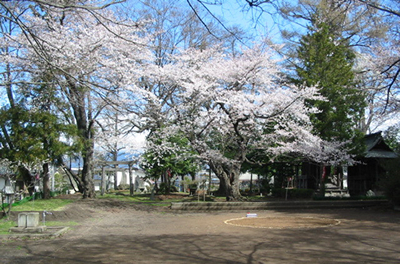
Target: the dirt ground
pixel 111 231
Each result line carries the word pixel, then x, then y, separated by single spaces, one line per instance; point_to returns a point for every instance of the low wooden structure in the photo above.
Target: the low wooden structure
pixel 356 179
pixel 365 175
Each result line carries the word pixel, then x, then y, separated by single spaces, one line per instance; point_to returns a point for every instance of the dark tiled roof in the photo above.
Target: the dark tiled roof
pixel 377 148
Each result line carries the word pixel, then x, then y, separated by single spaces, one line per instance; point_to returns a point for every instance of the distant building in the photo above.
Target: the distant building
pixel 355 179
pixel 364 176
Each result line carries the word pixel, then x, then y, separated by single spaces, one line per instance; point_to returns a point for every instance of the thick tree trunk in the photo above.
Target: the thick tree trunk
pixel 80 102
pixel 222 188
pixel 87 177
pixel 46 180
pixel 131 183
pixel 229 180
pixel 165 180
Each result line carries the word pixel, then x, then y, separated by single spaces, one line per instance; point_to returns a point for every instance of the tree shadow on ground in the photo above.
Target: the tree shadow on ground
pixel 321 245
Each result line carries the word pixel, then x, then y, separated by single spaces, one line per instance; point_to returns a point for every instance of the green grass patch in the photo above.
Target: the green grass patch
pixel 160 204
pixel 42 205
pixel 126 197
pixel 5 225
pixel 138 198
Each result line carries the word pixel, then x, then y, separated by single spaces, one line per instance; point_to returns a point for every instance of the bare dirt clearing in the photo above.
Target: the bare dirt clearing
pixel 282 222
pixel 112 231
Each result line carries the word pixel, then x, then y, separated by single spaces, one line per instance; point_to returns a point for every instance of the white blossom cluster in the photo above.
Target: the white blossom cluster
pixel 226 104
pixel 234 104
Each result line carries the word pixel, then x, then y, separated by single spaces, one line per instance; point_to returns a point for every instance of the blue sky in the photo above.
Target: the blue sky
pixel 252 20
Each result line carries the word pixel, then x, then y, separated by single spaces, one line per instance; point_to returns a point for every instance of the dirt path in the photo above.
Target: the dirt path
pixel 116 232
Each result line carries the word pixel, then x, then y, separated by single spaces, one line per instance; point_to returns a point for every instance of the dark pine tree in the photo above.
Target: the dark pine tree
pixel 326 60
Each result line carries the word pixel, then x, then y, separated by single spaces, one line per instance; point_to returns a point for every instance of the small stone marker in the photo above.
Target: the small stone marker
pixel 251 215
pixel 28 222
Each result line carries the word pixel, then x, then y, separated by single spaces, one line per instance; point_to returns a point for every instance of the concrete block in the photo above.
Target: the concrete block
pixel 37 229
pixel 29 219
pixel 22 220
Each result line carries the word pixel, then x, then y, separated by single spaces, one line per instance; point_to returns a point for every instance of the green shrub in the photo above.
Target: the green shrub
pixel 390 181
pixel 265 186
pixel 163 188
pixel 393 191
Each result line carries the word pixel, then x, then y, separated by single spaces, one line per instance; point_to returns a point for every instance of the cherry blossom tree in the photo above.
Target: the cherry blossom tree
pixel 174 27
pixel 382 107
pixel 385 60
pixel 91 58
pixel 168 157
pixel 230 105
pixel 367 25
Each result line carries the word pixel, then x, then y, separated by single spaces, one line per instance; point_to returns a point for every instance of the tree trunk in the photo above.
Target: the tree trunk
pixel 79 99
pixel 46 180
pixel 87 170
pixel 87 177
pixel 103 181
pixel 166 181
pixel 71 176
pixel 115 158
pixel 28 178
pixel 193 175
pixel 115 180
pixel 222 188
pixel 131 186
pixel 229 180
